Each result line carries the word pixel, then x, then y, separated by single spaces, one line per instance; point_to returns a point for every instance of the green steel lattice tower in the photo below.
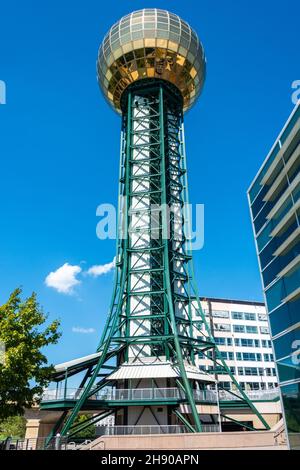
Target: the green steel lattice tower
pixel 151 69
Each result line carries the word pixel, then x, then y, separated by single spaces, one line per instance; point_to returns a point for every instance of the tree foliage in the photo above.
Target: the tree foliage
pixel 87 433
pixel 24 370
pixel 14 426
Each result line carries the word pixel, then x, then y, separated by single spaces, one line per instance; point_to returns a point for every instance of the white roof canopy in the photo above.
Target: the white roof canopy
pixel 140 370
pixel 80 360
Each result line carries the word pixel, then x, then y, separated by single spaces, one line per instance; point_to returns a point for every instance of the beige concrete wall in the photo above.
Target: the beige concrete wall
pixel 270 410
pixel 270 418
pixel 36 432
pixel 39 425
pixel 262 439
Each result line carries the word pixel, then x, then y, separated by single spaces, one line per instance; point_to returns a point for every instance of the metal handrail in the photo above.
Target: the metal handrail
pixel 133 394
pixel 155 429
pixel 157 394
pixel 252 394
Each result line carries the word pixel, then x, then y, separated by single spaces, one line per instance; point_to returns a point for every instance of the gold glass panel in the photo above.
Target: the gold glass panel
pixel 154 57
pixel 138 44
pixel 193 72
pixel 173 46
pixel 149 42
pixel 127 47
pixel 162 43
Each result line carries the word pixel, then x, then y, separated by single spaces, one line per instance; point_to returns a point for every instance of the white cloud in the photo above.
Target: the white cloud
pixel 86 331
pixel 64 278
pixel 100 269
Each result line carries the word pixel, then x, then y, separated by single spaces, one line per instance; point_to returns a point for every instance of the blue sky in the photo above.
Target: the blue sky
pixel 59 145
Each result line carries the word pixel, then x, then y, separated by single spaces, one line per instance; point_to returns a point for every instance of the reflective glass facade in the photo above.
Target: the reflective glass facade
pixel 274 199
pixel 151 43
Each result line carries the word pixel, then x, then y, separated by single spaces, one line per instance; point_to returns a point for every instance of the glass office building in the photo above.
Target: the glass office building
pixel 241 331
pixel 274 199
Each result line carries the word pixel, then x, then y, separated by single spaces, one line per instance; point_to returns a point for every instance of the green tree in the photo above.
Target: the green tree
pixel 24 370
pixel 87 433
pixel 14 426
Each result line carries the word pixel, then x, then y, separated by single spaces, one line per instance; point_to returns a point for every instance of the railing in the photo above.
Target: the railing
pixel 62 394
pixel 155 429
pixel 133 394
pixel 252 395
pixel 157 394
pixel 41 443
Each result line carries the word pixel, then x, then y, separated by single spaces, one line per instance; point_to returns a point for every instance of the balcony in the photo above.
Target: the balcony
pixel 63 399
pixel 129 395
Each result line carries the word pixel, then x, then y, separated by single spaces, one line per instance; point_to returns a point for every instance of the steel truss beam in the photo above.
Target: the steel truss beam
pixel 154 277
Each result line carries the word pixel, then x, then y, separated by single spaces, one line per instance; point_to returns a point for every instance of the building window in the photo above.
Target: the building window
pixel 237 315
pixel 283 344
pixel 238 328
pixel 251 329
pixel 247 343
pixel 220 341
pixel 251 371
pixel 254 386
pixel 249 357
pixel 227 355
pixel 262 317
pixel 220 314
pixel 251 386
pixel 266 343
pixel 250 316
pixel 225 385
pixel 284 317
pixel 268 357
pixel 222 327
pixel 264 330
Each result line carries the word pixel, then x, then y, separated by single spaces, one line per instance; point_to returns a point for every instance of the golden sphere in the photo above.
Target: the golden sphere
pixel 151 43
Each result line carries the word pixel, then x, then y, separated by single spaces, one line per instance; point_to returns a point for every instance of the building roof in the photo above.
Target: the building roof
pixel 75 362
pixel 157 369
pixel 233 301
pixel 74 366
